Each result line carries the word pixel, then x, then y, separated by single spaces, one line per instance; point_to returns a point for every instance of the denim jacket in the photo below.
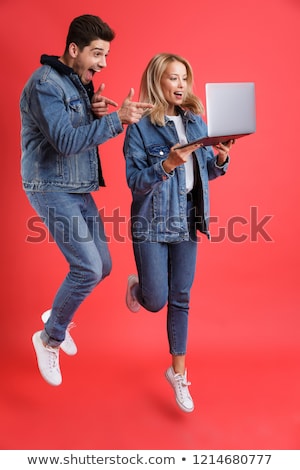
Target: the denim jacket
pixel 159 204
pixel 60 135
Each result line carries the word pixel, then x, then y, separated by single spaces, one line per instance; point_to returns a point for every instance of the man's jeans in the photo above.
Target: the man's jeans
pixel 74 223
pixel 166 273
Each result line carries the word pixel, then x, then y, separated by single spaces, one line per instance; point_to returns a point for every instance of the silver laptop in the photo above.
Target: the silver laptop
pixel 230 110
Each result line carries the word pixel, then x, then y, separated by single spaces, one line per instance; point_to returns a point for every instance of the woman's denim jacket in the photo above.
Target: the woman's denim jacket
pixel 159 205
pixel 60 135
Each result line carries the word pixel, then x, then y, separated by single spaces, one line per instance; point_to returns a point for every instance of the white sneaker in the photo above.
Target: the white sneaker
pixel 48 360
pixel 181 388
pixel 68 345
pixel 131 301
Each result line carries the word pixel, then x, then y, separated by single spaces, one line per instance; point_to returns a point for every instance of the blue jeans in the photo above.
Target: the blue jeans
pixel 166 274
pixel 75 225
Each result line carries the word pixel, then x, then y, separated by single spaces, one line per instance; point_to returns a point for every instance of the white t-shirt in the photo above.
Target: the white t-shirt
pixel 189 167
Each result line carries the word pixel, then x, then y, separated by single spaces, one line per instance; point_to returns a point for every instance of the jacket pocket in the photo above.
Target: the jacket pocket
pixel 76 112
pixel 157 152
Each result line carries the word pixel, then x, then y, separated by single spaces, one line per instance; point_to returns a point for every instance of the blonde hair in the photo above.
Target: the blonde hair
pixel 150 90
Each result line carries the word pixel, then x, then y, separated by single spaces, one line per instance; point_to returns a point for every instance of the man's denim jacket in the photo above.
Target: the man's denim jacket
pixel 60 135
pixel 159 205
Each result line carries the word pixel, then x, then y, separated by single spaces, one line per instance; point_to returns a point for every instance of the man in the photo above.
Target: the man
pixel 63 122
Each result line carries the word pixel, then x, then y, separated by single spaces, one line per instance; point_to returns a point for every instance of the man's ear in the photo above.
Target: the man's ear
pixel 73 50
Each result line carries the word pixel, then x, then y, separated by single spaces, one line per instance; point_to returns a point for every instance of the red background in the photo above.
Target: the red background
pixel 243 356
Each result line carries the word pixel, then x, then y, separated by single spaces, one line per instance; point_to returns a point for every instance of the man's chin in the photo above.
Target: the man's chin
pixel 85 82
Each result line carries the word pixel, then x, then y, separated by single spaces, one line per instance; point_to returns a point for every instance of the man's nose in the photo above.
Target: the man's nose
pixel 102 62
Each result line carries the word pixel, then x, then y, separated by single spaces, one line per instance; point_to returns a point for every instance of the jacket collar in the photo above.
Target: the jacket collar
pixel 184 113
pixel 52 61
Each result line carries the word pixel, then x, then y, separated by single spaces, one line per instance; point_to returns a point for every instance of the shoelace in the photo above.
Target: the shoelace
pixel 53 357
pixel 69 327
pixel 182 385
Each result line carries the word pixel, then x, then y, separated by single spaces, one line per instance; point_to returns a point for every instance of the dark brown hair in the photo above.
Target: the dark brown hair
pixel 86 28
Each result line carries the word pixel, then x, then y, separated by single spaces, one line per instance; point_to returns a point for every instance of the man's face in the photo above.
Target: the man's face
pixel 91 59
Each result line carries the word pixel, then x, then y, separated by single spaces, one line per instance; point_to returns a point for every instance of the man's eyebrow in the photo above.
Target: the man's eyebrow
pixel 99 49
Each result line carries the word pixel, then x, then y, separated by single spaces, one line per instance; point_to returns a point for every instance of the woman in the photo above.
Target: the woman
pixel 170 202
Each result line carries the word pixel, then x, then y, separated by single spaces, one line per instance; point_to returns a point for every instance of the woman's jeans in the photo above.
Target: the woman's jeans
pixel 166 273
pixel 75 225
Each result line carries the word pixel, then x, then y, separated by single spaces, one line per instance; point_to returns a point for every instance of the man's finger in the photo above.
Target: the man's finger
pixel 104 100
pixel 111 102
pixel 100 89
pixel 130 94
pixel 144 105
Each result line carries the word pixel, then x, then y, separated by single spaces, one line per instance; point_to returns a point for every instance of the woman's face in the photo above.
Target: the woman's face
pixel 173 84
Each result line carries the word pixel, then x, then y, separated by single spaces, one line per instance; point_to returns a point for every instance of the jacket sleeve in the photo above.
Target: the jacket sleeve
pixel 142 176
pixel 213 169
pixel 208 155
